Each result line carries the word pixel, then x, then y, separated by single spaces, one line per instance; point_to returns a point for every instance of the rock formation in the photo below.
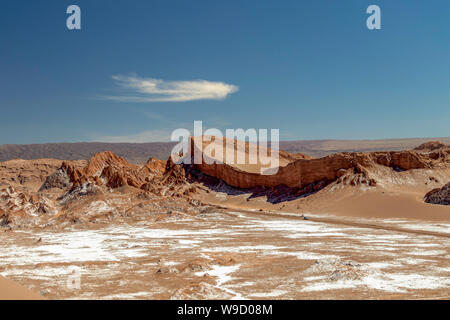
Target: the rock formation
pixel 299 173
pixel 16 205
pixel 29 175
pixel 439 195
pixel 72 189
pixel 430 146
pixel 107 169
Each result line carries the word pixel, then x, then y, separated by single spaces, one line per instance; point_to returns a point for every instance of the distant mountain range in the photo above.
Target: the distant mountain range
pixel 140 152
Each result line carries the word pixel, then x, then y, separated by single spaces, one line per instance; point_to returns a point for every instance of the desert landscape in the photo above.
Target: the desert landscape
pixel 207 151
pixel 345 225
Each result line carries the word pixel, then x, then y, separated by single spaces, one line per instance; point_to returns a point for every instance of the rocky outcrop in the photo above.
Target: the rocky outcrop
pixel 15 205
pixel 435 150
pixel 430 146
pixel 106 169
pixel 304 172
pixel 439 195
pixel 29 175
pixel 300 172
pixel 59 179
pixel 336 269
pixel 164 186
pixel 85 189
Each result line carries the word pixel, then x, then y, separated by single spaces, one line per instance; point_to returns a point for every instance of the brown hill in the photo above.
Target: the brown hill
pixel 133 152
pixel 321 148
pixel 430 146
pixel 140 152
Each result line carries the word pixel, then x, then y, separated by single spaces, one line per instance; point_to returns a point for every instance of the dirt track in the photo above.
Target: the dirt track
pixel 343 221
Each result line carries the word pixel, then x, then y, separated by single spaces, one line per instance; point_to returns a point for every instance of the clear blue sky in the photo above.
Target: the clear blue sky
pixel 310 68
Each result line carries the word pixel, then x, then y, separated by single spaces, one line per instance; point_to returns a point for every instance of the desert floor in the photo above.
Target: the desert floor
pixel 235 255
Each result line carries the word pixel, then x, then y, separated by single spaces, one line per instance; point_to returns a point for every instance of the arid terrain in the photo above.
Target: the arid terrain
pixel 140 152
pixel 372 224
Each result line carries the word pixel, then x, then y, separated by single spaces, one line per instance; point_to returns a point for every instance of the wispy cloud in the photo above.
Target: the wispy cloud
pixel 141 137
pixel 157 90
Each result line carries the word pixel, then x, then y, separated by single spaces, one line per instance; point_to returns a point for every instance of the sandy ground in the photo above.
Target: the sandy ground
pixel 10 290
pixel 401 199
pixel 232 255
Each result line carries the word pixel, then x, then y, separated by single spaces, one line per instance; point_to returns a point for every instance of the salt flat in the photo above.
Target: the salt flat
pixel 230 255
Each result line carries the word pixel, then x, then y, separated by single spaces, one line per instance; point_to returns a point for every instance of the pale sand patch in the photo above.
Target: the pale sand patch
pixel 10 290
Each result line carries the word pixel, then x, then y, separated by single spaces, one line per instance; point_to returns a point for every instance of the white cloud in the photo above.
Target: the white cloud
pixel 156 90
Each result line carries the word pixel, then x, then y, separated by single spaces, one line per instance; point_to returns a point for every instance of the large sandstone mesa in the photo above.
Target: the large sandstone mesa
pixel 439 195
pixel 241 155
pixel 298 173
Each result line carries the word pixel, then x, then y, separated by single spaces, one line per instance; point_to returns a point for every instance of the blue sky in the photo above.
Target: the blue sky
pixel 310 68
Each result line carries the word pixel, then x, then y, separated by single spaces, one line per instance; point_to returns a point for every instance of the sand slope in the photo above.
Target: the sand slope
pixel 10 290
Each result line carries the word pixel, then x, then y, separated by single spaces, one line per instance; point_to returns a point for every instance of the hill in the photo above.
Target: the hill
pixel 140 152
